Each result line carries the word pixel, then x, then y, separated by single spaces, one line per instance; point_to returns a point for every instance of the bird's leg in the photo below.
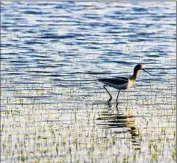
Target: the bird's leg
pixel 104 86
pixel 117 98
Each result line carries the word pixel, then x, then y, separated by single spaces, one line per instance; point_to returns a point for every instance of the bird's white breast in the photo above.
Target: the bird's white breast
pixel 130 83
pixel 120 86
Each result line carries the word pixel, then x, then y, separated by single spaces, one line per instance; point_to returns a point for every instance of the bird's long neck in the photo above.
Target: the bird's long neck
pixel 135 75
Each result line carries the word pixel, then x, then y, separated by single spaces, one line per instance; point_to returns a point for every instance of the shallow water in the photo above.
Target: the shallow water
pixel 52 107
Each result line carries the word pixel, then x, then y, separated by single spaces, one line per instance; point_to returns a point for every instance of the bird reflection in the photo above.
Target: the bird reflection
pixel 123 124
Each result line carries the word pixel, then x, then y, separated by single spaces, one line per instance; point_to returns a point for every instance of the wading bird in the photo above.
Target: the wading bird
pixel 122 83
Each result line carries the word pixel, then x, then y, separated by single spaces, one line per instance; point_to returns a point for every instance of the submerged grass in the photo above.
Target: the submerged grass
pixel 61 128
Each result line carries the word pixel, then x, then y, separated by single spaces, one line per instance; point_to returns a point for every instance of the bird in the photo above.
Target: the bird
pixel 122 83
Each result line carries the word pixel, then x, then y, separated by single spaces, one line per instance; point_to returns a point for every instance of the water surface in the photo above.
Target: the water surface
pixel 52 107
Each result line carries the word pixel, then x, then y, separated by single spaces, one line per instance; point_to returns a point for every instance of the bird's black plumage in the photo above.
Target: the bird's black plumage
pixel 118 80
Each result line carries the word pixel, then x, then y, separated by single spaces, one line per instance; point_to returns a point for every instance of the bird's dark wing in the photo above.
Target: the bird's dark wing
pixel 117 80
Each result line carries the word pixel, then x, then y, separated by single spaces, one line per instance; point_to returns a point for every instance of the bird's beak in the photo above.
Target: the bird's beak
pixel 147 72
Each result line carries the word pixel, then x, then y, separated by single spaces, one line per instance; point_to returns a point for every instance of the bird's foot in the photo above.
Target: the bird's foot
pixel 117 104
pixel 109 102
pixel 110 99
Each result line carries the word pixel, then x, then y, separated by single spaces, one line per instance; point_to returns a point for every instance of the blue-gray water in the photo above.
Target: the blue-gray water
pixel 52 107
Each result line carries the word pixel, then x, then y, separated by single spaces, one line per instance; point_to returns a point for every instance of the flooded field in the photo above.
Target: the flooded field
pixel 53 109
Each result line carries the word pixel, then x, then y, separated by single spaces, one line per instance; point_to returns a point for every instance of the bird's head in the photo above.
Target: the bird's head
pixel 140 67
